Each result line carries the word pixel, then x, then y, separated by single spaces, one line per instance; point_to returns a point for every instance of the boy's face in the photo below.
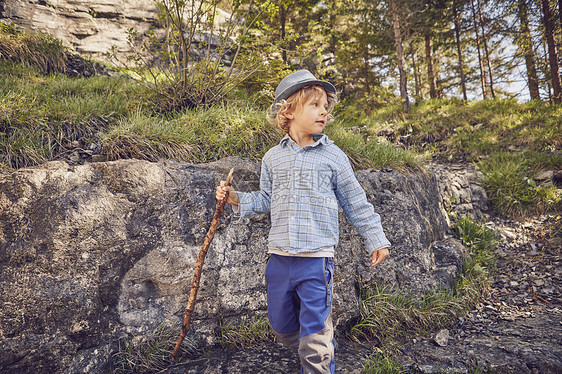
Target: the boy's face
pixel 310 117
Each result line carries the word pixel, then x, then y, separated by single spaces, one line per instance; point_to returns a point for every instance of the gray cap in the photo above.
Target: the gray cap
pixel 297 80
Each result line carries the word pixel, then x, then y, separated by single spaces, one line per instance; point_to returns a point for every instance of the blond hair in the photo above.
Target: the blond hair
pixel 276 112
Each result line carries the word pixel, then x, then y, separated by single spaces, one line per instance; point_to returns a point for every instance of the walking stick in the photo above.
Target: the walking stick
pixel 199 265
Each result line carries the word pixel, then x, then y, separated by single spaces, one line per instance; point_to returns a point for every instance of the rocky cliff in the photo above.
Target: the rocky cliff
pixel 93 253
pixel 94 28
pixel 86 27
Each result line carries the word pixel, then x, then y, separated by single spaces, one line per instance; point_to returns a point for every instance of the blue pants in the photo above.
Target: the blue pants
pixel 299 298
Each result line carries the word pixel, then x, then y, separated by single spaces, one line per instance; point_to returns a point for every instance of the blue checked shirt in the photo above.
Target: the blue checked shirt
pixel 301 187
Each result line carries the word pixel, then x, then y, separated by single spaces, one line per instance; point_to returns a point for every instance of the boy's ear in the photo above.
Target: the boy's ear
pixel 289 115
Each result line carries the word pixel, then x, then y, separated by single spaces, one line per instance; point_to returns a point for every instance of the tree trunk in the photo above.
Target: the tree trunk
pixel 459 49
pixel 400 55
pixel 480 64
pixel 527 45
pixel 282 21
pixel 552 54
pixel 366 69
pixel 548 88
pixel 430 70
pixel 560 12
pixel 416 75
pixel 485 43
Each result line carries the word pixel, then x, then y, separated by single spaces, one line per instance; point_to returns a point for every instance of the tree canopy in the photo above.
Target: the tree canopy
pixel 469 49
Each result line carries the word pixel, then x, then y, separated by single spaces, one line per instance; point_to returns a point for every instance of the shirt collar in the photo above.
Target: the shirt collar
pixel 319 139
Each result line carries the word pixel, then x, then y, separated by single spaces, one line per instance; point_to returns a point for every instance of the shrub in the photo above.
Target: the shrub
pixel 197 61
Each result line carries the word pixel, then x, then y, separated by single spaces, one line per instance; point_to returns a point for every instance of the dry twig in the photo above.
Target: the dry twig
pixel 199 265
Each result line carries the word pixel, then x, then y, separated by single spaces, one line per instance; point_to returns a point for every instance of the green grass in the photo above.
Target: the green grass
pixel 42 115
pixel 245 332
pixel 388 317
pixel 509 182
pixel 28 96
pixel 38 50
pixel 382 363
pixel 510 142
pixel 200 135
pixel 368 151
pixel 468 129
pixel 480 240
pixel 473 128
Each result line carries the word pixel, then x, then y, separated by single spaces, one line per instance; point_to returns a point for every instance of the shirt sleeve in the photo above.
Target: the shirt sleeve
pixel 257 202
pixel 359 211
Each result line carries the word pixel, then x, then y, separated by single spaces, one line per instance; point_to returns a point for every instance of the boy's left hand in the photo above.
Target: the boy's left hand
pixel 378 256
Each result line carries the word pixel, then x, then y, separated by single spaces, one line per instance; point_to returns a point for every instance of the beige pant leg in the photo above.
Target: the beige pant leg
pixel 290 340
pixel 316 351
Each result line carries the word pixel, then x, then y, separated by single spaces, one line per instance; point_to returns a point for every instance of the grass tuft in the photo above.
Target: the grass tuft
pixel 509 182
pixel 387 316
pixel 248 332
pixel 39 50
pixel 152 353
pixel 480 240
pixel 366 150
pixel 382 363
pixel 147 138
pixel 199 135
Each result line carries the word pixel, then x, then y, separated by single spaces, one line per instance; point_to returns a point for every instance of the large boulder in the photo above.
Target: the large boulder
pixel 95 253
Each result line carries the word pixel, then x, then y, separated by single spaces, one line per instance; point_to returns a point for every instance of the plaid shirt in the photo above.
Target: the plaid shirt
pixel 302 187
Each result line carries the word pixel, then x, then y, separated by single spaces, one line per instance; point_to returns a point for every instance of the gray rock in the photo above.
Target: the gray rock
pixel 460 187
pixel 442 337
pixel 94 253
pixel 545 176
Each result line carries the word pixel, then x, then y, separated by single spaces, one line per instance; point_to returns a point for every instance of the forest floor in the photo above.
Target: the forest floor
pixel 516 327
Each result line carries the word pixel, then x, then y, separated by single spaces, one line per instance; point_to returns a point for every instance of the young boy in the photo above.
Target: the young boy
pixel 301 183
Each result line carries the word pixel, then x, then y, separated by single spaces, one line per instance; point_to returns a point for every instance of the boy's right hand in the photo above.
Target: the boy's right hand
pixel 223 190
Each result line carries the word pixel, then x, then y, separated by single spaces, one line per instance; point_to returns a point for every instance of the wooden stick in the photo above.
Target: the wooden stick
pixel 199 265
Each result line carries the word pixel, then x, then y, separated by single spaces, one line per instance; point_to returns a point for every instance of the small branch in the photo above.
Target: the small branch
pixel 199 265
